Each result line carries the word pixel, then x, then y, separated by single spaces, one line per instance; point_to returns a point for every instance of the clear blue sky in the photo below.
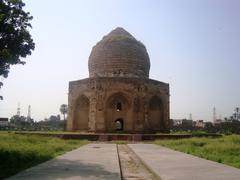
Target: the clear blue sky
pixel 193 45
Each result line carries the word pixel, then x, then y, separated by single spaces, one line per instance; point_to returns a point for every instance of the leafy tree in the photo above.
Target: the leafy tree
pixel 51 123
pixel 20 122
pixel 209 127
pixel 54 119
pixel 15 39
pixel 17 119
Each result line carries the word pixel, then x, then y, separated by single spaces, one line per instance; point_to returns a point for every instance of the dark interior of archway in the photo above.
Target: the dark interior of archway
pixel 119 106
pixel 119 125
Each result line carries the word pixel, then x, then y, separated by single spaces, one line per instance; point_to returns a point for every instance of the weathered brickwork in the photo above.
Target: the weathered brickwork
pixel 119 54
pixel 118 96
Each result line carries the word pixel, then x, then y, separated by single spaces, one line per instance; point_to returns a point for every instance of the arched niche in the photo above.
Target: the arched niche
pixel 117 108
pixel 81 113
pixel 119 125
pixel 155 112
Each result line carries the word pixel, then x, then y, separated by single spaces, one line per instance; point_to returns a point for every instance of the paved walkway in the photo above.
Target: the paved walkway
pixel 92 161
pixel 173 165
pixel 100 161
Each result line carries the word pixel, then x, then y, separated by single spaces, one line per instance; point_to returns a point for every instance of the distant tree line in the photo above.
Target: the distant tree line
pixel 22 123
pixel 230 125
pixel 53 123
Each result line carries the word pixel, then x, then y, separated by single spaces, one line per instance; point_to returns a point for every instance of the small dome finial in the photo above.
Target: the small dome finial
pixel 118 32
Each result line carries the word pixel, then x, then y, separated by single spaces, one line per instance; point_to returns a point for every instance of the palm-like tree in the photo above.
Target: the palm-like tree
pixel 63 110
pixel 237 112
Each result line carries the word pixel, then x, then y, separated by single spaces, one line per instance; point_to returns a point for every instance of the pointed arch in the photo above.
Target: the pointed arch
pixel 81 113
pixel 118 101
pixel 156 113
pixel 118 105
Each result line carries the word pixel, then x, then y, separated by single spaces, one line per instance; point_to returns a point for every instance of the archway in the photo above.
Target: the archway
pixel 156 113
pixel 81 113
pixel 119 126
pixel 117 110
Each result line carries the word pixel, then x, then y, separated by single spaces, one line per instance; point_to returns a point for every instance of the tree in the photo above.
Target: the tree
pixel 63 109
pixel 54 119
pixel 20 122
pixel 17 119
pixel 237 113
pixel 209 127
pixel 15 39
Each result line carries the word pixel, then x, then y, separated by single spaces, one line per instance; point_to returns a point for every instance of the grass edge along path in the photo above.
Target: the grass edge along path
pixel 225 149
pixel 19 152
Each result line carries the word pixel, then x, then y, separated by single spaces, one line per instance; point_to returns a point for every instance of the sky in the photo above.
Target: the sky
pixel 193 45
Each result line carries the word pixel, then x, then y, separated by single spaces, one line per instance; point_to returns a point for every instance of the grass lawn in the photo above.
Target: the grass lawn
pixel 224 150
pixel 18 152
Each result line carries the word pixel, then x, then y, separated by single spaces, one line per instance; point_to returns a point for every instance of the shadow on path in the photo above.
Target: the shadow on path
pixel 66 169
pixel 91 161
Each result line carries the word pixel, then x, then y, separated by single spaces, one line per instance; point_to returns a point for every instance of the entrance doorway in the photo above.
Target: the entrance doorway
pixel 119 125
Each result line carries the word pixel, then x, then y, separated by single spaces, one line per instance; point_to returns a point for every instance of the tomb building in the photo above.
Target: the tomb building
pixel 118 96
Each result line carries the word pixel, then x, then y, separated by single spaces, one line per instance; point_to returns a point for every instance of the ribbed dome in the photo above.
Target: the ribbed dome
pixel 119 54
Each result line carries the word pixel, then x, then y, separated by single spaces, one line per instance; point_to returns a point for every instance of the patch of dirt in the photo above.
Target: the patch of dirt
pixel 132 167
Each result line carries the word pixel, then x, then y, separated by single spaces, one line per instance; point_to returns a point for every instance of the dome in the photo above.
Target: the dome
pixel 119 54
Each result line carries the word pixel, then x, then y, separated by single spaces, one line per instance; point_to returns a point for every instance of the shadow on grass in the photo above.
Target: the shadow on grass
pixel 12 162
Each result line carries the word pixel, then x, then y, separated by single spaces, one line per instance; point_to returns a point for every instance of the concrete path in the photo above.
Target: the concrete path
pixel 101 161
pixel 173 165
pixel 92 161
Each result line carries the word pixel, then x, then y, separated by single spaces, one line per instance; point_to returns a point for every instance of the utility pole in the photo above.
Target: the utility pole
pixel 190 116
pixel 237 112
pixel 214 115
pixel 18 109
pixel 29 113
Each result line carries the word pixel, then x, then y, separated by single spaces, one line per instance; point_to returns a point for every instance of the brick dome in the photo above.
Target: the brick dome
pixel 119 54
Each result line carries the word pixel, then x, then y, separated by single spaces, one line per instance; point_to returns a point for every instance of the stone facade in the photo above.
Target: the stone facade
pixel 118 96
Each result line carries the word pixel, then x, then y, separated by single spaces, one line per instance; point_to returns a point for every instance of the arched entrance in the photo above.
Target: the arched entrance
pixel 118 110
pixel 156 114
pixel 119 126
pixel 81 113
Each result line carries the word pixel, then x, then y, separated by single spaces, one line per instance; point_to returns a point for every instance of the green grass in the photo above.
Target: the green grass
pixel 225 149
pixel 18 152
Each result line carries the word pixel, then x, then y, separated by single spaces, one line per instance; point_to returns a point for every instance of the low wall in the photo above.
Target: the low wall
pixel 118 137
